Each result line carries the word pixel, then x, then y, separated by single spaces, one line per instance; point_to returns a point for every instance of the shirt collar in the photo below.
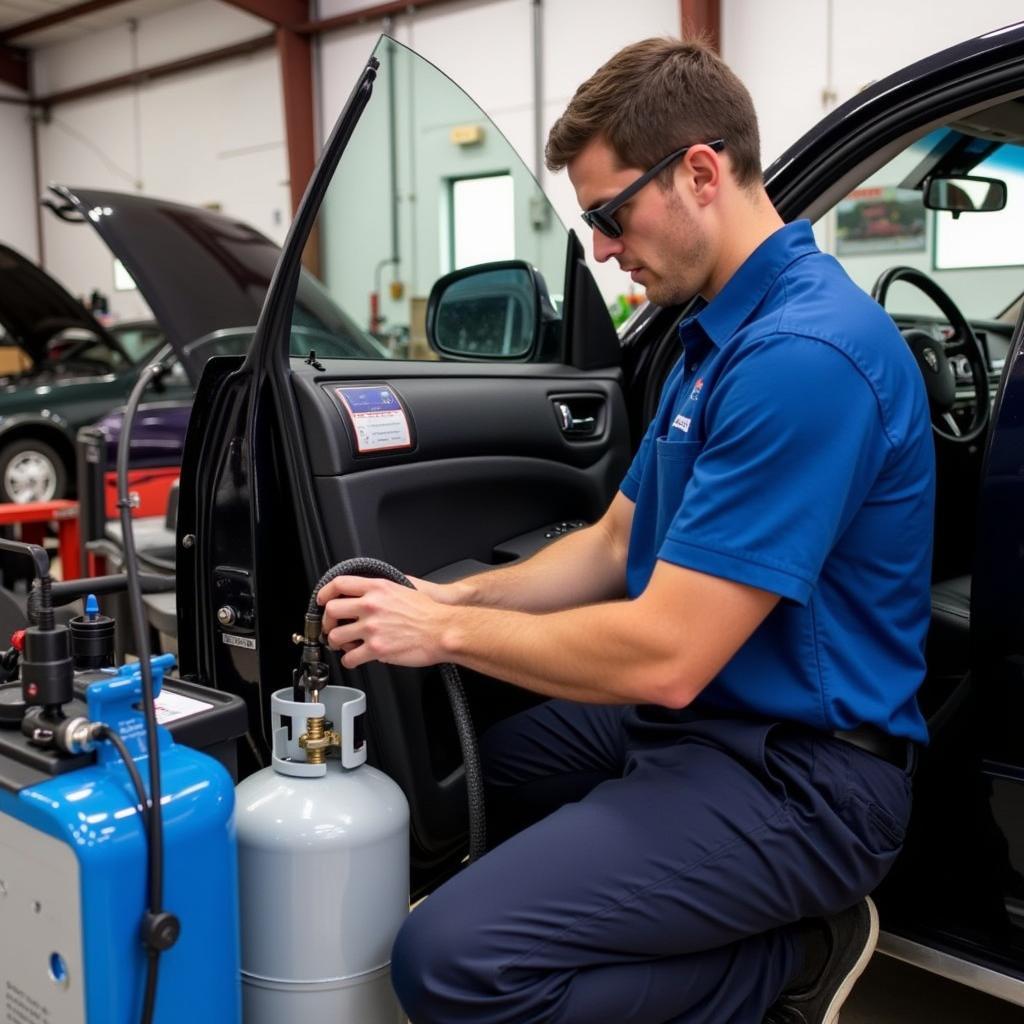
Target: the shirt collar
pixel 726 313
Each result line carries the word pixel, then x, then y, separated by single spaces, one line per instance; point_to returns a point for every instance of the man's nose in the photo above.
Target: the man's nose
pixel 605 247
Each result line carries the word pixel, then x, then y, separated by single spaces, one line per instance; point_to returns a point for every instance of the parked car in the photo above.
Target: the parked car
pixel 204 276
pixel 67 369
pixel 498 448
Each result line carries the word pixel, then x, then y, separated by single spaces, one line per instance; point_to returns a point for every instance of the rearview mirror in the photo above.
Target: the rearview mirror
pixel 965 195
pixel 492 311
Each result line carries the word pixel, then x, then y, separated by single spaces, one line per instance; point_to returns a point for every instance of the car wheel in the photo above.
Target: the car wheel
pixel 30 470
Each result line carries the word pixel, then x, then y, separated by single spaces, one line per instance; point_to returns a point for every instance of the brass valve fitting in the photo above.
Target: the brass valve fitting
pixel 318 740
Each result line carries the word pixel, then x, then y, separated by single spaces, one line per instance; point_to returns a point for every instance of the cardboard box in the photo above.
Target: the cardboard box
pixel 13 360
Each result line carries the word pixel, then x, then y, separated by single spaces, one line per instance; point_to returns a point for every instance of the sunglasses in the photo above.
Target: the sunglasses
pixel 602 218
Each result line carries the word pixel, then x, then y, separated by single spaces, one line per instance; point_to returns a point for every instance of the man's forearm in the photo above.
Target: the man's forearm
pixel 597 654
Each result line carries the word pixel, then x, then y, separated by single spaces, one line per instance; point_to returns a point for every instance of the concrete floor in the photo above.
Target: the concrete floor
pixel 892 992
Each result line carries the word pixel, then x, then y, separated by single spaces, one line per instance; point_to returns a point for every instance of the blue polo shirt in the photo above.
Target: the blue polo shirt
pixel 792 451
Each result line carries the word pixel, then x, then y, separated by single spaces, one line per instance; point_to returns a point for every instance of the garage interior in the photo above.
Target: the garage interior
pixel 228 106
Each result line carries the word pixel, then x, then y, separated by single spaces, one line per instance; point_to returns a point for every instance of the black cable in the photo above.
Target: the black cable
pixel 152 956
pixel 377 569
pixel 113 737
pixel 138 614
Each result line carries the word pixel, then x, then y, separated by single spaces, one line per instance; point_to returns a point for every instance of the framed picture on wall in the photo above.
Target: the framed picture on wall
pixel 880 219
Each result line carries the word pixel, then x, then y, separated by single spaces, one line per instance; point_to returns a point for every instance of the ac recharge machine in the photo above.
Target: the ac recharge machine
pixel 78 936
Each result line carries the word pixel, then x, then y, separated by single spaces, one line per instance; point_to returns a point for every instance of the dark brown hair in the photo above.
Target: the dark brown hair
pixel 656 96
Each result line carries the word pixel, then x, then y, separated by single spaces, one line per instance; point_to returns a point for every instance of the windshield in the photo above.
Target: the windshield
pixel 138 340
pixel 75 350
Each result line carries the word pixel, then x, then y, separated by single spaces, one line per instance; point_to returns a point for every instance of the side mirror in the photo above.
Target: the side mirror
pixel 965 195
pixel 491 311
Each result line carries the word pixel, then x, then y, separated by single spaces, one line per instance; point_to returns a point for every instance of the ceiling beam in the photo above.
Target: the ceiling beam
pixel 23 28
pixel 150 74
pixel 384 10
pixel 277 12
pixel 14 67
pixel 702 18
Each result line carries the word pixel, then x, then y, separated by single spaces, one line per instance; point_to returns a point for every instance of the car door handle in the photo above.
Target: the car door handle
pixel 572 424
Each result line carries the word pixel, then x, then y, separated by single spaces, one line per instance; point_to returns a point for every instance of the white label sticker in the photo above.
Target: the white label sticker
pixel 378 419
pixel 239 641
pixel 171 706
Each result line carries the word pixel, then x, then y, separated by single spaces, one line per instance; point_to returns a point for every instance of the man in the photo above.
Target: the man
pixel 734 648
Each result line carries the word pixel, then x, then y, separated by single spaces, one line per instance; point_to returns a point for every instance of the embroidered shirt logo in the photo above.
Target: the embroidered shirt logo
pixel 681 423
pixel 695 393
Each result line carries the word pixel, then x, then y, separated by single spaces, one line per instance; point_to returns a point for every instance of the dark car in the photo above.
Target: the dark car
pixel 204 276
pixel 68 370
pixel 523 430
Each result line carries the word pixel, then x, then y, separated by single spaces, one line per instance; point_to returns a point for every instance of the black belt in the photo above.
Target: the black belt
pixel 897 750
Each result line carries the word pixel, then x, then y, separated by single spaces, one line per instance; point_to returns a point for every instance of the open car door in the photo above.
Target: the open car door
pixel 451 456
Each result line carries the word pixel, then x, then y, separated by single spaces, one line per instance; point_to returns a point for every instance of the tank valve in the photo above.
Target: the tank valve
pixel 318 740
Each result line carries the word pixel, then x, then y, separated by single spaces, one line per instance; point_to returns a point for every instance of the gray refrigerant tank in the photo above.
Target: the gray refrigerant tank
pixel 323 863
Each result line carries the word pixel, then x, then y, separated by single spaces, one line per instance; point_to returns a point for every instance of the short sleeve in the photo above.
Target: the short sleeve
pixel 794 443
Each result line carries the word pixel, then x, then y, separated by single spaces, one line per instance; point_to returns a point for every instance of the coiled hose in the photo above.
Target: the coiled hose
pixel 376 569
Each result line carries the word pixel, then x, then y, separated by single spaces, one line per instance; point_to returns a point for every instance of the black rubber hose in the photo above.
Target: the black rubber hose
pixel 141 629
pixel 377 569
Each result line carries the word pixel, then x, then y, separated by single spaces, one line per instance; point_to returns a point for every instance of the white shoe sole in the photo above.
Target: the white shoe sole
pixel 844 990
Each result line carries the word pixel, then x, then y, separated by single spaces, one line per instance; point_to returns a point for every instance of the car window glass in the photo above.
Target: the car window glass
pixel 977 258
pixel 426 182
pixel 138 340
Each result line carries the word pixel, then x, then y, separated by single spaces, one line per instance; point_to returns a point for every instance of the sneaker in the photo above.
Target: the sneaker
pixel 852 936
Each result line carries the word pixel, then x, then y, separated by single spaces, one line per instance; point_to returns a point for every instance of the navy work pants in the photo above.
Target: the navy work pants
pixel 669 857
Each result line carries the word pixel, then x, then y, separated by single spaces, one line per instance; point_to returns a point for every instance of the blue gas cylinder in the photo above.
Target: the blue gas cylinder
pixel 73 882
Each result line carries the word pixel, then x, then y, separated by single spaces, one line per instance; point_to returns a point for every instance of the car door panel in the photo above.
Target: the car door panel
pixel 490 461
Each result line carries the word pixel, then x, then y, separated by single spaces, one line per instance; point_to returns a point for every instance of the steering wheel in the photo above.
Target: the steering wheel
pixel 932 357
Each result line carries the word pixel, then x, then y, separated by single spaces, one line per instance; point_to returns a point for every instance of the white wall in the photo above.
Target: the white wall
pixel 801 58
pixel 17 182
pixel 210 136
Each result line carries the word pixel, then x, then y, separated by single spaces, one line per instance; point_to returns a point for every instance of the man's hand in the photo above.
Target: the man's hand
pixel 377 620
pixel 443 593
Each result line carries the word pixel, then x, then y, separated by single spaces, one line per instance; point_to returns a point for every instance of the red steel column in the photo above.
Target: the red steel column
pixel 296 58
pixel 702 17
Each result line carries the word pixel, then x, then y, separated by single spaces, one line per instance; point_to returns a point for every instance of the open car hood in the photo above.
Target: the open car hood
pixel 33 306
pixel 199 271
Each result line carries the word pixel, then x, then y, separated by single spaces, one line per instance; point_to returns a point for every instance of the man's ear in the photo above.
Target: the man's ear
pixel 701 171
